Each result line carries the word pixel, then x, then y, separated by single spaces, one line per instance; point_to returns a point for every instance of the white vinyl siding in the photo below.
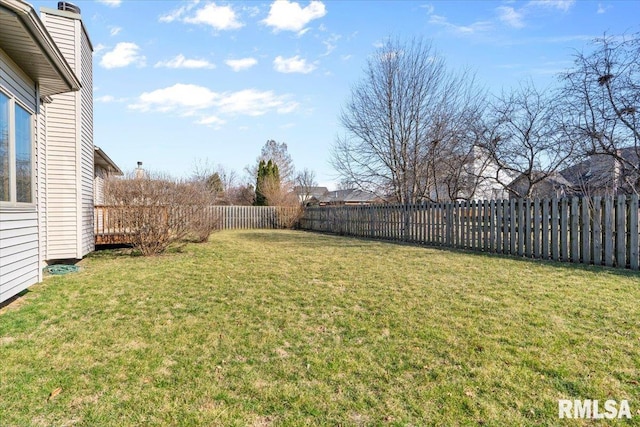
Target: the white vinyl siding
pixel 88 150
pixel 19 248
pixel 19 266
pixel 98 185
pixel 14 81
pixel 70 151
pixel 41 181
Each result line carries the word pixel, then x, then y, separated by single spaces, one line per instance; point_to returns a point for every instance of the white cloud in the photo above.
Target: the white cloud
pixel 179 96
pixel 474 28
pixel 252 11
pixel 241 64
pixel 563 5
pixel 602 8
pixel 98 48
pixel 178 13
pixel 199 101
pixel 211 120
pixel 429 7
pixel 111 3
pixel 285 15
pixel 105 98
pixel 124 54
pixel 114 31
pixel 510 16
pixel 330 43
pixel 181 62
pixel 251 102
pixel 219 17
pixel 294 64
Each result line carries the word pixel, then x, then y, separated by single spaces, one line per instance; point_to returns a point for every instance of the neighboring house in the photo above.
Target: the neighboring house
pixel 553 185
pixel 606 175
pixel 46 141
pixel 472 176
pixel 310 195
pixel 351 196
pixel 487 179
pixel 104 168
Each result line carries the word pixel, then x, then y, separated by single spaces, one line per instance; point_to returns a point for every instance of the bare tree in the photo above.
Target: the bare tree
pixel 305 182
pixel 278 153
pixel 407 112
pixel 525 139
pixel 219 180
pixel 241 195
pixel 602 94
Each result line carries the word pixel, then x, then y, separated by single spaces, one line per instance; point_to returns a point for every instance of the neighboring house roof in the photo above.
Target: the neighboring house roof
pixel 101 159
pixel 552 185
pixel 599 169
pixel 25 39
pixel 310 192
pixel 554 178
pixel 352 195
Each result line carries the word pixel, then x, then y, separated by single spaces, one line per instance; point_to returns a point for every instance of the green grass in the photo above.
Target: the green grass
pixel 291 328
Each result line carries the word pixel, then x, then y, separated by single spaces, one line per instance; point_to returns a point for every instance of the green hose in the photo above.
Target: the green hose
pixel 61 269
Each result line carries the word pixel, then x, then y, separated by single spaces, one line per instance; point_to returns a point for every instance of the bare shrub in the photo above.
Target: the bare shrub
pixel 288 216
pixel 288 207
pixel 158 210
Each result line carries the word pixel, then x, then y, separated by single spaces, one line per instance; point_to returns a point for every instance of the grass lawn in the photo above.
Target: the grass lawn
pixel 290 328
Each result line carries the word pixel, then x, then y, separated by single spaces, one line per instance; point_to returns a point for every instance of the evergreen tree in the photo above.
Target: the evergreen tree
pixel 267 179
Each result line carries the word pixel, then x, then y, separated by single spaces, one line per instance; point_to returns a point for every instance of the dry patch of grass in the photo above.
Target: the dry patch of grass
pixel 288 328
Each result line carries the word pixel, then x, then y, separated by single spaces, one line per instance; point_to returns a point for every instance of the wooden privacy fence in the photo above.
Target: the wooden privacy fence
pixel 113 224
pixel 601 231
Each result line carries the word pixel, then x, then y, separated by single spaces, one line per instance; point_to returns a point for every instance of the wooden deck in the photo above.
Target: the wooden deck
pixel 110 226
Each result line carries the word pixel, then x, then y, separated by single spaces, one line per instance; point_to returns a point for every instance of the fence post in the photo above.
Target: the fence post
pixel 621 232
pixel 575 221
pixel 564 229
pixel 596 230
pixel 634 248
pixel 585 228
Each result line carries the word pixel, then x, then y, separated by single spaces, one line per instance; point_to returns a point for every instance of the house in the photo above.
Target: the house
pixel 352 196
pixel 485 177
pixel 47 156
pixel 103 168
pixel 554 185
pixel 606 175
pixel 310 195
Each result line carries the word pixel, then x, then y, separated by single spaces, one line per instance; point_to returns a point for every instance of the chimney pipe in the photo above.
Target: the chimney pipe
pixel 69 7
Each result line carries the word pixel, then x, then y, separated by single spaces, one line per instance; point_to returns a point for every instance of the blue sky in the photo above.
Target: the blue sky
pixel 178 81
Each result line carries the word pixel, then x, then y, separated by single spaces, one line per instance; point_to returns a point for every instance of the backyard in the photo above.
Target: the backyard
pixel 269 328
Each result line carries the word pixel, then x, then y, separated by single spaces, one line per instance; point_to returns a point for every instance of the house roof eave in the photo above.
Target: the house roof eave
pixel 44 63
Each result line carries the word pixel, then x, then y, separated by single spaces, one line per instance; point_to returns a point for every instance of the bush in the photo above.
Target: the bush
pixel 158 210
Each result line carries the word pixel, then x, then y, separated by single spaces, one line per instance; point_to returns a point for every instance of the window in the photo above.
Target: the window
pixel 4 148
pixel 23 155
pixel 16 152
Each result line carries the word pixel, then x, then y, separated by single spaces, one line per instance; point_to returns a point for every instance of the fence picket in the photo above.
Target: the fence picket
pixel 621 232
pixel 634 248
pixel 564 230
pixel 575 221
pixel 597 231
pixel 585 228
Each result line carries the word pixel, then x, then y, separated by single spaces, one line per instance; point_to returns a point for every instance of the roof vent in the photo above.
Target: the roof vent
pixel 69 7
